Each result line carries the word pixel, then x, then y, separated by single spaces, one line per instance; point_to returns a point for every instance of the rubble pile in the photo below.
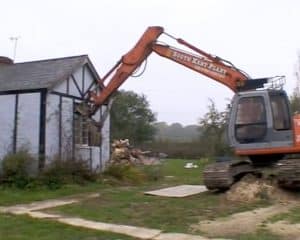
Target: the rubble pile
pixel 123 153
pixel 251 189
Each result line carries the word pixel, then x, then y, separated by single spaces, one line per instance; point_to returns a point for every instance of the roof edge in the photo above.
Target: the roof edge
pixel 53 59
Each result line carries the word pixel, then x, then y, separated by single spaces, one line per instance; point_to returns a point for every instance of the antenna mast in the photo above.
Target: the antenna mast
pixel 15 40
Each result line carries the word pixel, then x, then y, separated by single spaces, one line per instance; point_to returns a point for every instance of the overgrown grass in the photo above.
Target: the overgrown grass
pixel 25 228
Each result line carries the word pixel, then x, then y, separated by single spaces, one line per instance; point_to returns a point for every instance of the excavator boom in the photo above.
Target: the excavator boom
pixel 226 75
pixel 201 62
pixel 127 65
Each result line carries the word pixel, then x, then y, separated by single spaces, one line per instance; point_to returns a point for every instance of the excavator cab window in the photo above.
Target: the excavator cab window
pixel 280 111
pixel 251 124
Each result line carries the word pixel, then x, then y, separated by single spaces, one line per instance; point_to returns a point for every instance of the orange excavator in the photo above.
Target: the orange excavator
pixel 260 125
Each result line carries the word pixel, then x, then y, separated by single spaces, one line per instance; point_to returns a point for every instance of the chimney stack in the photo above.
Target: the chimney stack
pixel 5 61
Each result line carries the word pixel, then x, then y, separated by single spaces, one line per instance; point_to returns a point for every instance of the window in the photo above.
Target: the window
pixel 250 125
pixel 80 129
pixel 86 130
pixel 280 111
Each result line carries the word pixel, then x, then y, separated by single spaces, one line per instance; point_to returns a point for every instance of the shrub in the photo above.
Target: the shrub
pixel 126 173
pixel 153 173
pixel 60 172
pixel 16 172
pixel 16 169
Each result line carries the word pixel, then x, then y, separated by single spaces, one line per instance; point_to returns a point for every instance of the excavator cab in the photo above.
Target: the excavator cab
pixel 260 120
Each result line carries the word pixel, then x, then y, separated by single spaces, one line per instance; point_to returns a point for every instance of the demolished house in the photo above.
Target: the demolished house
pixel 39 103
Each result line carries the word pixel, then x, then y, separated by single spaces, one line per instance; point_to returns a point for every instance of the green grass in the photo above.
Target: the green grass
pixel 25 228
pixel 175 172
pixel 11 196
pixel 174 168
pixel 126 205
pixel 130 206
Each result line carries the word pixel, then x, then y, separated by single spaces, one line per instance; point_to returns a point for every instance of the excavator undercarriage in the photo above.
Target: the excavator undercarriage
pixel 221 175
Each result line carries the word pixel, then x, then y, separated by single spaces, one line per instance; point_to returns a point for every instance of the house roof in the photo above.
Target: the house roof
pixel 41 74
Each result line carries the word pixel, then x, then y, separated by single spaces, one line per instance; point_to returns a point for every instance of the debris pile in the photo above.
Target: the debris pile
pixel 123 153
pixel 251 189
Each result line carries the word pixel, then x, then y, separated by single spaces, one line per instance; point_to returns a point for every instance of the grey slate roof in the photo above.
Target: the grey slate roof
pixel 41 74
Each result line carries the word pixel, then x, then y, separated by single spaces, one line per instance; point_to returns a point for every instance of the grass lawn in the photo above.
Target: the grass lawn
pixel 172 168
pixel 128 205
pixel 125 205
pixel 25 228
pixel 131 206
pixel 11 196
pixel 175 173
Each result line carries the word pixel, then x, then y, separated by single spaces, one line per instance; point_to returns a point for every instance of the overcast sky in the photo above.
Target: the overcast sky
pixel 260 37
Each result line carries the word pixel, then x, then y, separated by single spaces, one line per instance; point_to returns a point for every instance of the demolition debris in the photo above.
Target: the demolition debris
pixel 124 154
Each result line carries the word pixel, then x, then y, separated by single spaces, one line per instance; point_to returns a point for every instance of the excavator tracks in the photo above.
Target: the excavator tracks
pixel 221 175
pixel 288 173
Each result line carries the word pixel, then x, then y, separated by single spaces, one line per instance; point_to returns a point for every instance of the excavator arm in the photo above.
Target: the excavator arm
pixel 211 66
pixel 127 65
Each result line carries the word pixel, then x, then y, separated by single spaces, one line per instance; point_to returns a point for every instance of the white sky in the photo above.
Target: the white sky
pixel 260 37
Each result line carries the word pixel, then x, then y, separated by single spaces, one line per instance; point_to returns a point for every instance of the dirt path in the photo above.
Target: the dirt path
pixel 245 222
pixel 285 229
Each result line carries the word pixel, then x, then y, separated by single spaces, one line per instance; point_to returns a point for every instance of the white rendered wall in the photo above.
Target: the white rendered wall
pixel 7 116
pixel 29 122
pixel 52 127
pixel 105 144
pixel 95 156
pixel 66 127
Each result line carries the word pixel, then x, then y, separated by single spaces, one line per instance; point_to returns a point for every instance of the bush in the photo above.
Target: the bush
pixel 16 172
pixel 126 173
pixel 153 173
pixel 16 169
pixel 60 172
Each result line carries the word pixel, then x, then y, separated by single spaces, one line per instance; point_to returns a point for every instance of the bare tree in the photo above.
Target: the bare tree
pixel 295 97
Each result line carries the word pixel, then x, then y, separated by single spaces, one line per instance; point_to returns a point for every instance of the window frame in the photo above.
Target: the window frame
pixel 248 126
pixel 287 125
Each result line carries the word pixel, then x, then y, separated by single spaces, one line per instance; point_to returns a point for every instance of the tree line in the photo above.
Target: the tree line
pixel 132 118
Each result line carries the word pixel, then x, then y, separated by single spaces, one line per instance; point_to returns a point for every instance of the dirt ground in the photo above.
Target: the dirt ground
pixel 251 189
pixel 284 229
pixel 245 222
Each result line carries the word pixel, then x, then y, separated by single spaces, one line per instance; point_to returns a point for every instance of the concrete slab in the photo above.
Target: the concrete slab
pixel 17 210
pixel 138 232
pixel 34 206
pixel 42 215
pixel 178 236
pixel 182 236
pixel 179 191
pixel 40 205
